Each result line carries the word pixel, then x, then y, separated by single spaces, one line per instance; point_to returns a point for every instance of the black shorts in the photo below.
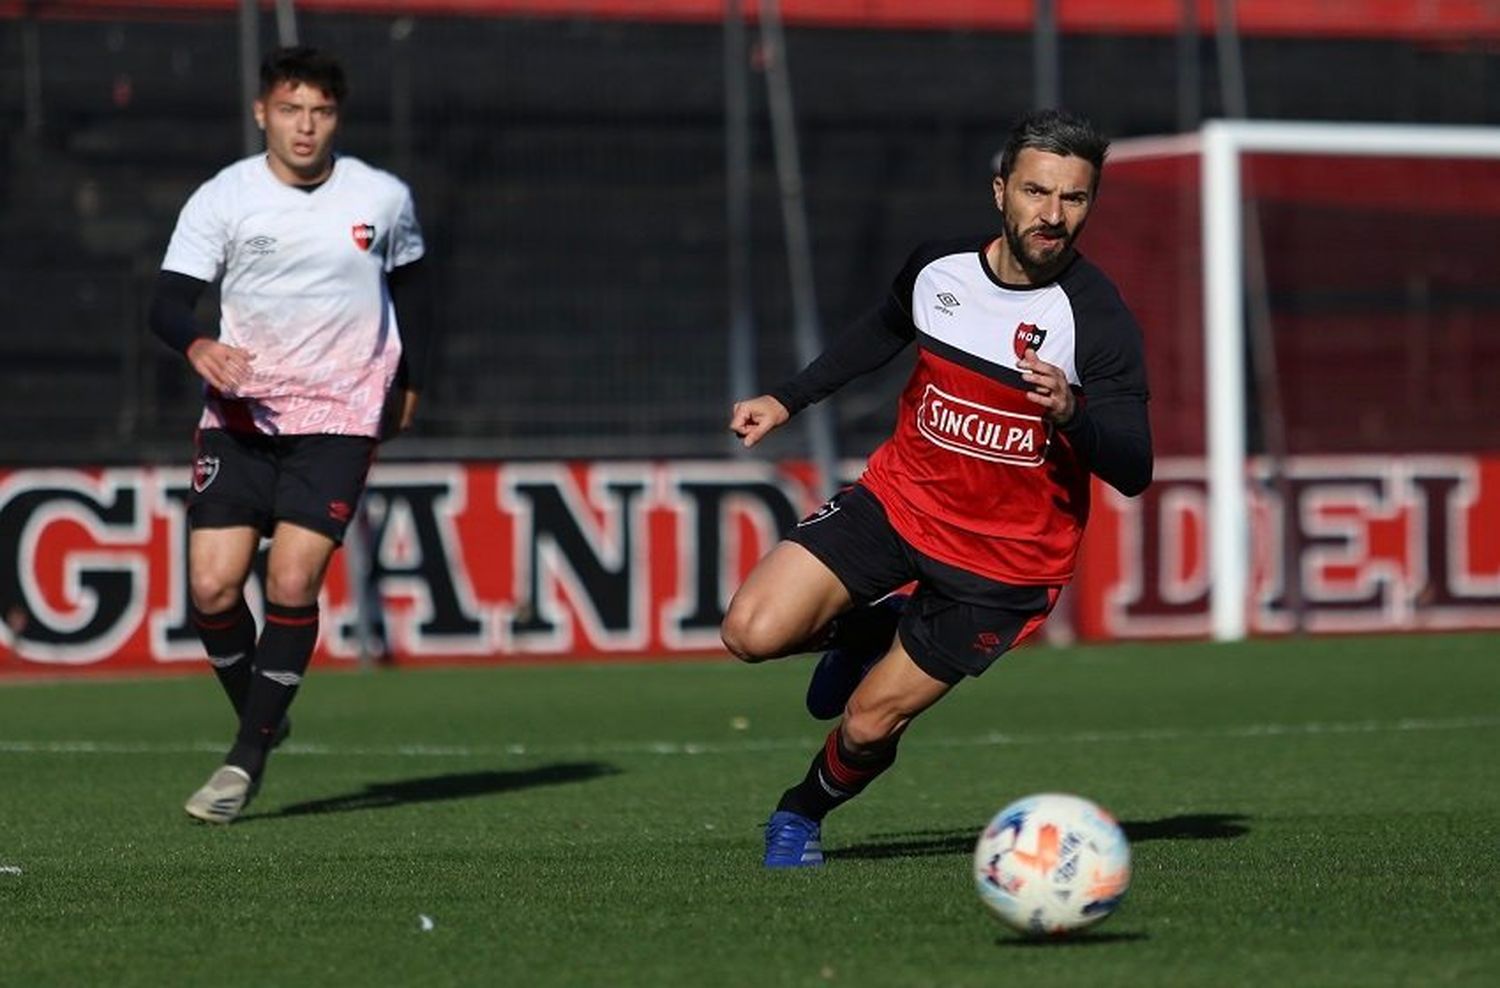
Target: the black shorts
pixel 957 623
pixel 256 480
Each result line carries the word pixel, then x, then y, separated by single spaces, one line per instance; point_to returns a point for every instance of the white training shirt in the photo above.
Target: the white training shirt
pixel 303 289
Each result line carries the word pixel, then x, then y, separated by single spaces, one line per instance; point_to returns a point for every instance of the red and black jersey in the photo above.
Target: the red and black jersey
pixel 972 474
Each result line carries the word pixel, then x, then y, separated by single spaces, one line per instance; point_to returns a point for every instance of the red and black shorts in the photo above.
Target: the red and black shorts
pixel 257 480
pixel 957 623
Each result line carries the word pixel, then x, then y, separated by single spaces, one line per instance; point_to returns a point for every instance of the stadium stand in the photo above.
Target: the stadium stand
pixel 570 177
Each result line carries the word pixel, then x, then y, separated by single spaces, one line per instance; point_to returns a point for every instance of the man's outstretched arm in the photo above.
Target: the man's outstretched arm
pixel 864 345
pixel 867 343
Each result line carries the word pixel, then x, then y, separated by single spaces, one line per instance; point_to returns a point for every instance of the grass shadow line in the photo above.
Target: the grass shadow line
pixel 1087 938
pixel 438 788
pixel 961 840
pixel 1187 826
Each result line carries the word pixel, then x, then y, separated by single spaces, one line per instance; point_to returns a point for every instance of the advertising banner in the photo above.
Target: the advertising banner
pixel 500 562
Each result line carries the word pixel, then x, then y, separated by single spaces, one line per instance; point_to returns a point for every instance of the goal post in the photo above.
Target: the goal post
pixel 1222 146
pixel 1223 149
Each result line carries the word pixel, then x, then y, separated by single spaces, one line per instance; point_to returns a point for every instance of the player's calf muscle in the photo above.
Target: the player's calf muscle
pixel 869 727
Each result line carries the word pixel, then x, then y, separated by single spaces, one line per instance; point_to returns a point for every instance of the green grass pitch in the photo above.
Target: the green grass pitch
pixel 1302 812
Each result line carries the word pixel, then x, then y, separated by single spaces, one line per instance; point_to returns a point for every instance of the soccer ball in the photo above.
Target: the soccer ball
pixel 1052 863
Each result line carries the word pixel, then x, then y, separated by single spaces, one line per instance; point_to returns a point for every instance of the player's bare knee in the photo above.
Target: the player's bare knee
pixel 212 593
pixel 292 587
pixel 737 636
pixel 737 649
pixel 750 633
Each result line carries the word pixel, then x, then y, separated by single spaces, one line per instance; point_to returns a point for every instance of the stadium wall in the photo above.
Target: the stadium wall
pixel 1424 19
pixel 560 560
pixel 533 141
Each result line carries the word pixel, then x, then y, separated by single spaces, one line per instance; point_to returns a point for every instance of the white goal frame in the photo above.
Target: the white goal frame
pixel 1221 145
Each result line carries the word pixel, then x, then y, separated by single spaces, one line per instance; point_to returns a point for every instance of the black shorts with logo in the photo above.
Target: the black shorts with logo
pixel 242 478
pixel 957 623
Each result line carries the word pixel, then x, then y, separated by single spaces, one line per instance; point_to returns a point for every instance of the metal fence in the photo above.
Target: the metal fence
pixel 571 177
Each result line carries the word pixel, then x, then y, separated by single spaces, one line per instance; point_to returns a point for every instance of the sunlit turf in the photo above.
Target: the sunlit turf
pixel 1309 812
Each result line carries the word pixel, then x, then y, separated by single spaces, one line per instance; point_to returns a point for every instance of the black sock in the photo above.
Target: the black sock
pixel 836 776
pixel 281 658
pixel 229 639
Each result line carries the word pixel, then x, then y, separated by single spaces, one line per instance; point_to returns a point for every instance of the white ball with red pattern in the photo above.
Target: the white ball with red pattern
pixel 1052 863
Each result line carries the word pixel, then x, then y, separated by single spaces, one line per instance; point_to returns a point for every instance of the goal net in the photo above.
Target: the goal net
pixel 1320 301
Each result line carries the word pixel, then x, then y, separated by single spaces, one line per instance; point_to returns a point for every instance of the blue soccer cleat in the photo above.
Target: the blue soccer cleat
pixel 860 640
pixel 793 841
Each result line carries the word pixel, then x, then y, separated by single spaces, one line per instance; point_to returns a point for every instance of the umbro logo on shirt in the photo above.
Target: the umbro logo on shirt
pixel 260 245
pixel 946 303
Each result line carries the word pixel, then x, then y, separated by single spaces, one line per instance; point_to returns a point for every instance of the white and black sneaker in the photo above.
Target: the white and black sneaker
pixel 223 797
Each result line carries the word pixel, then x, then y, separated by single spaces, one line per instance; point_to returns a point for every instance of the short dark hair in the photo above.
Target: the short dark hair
pixel 1056 132
pixel 299 63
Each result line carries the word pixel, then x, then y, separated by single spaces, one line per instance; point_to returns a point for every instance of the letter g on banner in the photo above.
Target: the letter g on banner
pixel 72 569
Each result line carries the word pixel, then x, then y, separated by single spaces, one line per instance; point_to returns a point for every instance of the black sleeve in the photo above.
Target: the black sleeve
pixel 171 315
pixel 864 345
pixel 870 342
pixel 411 295
pixel 1113 439
pixel 1110 430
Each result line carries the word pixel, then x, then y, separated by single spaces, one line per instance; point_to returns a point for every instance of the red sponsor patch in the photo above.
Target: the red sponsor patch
pixel 980 431
pixel 1028 337
pixel 364 235
pixel 339 511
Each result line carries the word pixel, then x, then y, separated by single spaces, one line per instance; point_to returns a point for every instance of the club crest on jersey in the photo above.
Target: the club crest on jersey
pixel 985 433
pixel 825 510
pixel 205 469
pixel 364 235
pixel 1028 337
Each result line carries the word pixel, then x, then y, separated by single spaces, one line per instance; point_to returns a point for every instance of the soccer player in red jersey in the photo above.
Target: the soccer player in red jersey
pixel 318 353
pixel 1029 379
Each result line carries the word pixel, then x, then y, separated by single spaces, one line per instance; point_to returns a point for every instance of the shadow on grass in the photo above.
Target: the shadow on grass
pixel 436 788
pixel 927 843
pixel 913 844
pixel 1188 826
pixel 1087 938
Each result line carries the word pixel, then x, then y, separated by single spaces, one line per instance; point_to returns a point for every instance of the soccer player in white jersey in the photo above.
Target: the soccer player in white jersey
pixel 1029 380
pixel 319 352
